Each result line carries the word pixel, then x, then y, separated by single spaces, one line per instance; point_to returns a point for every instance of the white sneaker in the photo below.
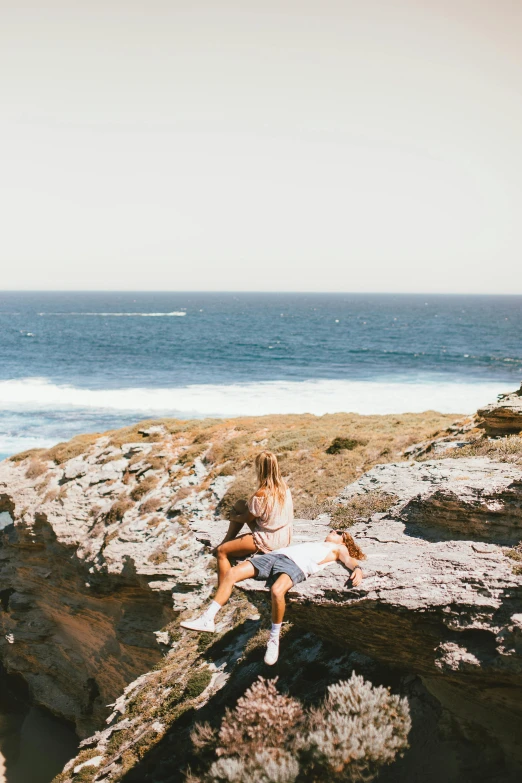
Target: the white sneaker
pixel 200 624
pixel 272 651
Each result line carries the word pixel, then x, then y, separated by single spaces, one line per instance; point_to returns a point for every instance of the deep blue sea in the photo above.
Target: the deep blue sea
pixel 77 362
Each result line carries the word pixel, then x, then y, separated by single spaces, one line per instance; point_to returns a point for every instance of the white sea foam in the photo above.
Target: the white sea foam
pixel 175 313
pixel 14 444
pixel 319 397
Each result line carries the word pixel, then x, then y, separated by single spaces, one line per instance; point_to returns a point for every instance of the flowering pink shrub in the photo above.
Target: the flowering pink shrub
pixel 270 738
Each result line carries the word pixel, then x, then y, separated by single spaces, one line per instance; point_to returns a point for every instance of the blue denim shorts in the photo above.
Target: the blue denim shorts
pixel 272 565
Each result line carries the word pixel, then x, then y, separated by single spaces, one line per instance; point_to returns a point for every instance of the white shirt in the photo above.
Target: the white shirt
pixel 308 556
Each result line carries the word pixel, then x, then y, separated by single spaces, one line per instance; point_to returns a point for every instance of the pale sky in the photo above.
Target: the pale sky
pixel 329 145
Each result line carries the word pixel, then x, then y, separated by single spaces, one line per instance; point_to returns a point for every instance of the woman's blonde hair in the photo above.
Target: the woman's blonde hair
pixel 270 480
pixel 354 550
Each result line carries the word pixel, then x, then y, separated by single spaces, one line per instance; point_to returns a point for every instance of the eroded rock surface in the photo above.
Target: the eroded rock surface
pixel 505 416
pixel 99 559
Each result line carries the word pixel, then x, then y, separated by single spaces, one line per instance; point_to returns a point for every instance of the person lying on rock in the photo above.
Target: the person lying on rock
pixel 269 514
pixel 283 569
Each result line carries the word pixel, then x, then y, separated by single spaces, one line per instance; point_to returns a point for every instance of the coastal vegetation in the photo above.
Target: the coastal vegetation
pixel 270 737
pixel 319 455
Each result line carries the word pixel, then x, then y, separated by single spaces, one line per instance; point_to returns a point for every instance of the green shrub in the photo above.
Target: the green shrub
pixel 205 640
pixel 343 444
pixel 169 703
pixel 515 553
pixel 197 683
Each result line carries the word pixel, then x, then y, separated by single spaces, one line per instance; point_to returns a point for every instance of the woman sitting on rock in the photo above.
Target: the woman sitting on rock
pixel 282 570
pixel 269 514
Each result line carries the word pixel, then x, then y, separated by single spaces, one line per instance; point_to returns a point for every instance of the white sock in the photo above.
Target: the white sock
pixel 276 630
pixel 212 610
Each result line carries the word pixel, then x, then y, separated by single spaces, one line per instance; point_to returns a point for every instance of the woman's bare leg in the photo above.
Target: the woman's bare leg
pixel 206 621
pixel 234 575
pixel 279 589
pixel 232 532
pixel 238 547
pixel 238 517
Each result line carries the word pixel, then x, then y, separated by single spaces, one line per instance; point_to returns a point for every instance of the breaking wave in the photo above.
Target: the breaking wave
pixel 175 313
pixel 255 399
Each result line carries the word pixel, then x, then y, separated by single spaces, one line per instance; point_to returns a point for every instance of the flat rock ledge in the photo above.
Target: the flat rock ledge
pixel 440 598
pixel 505 416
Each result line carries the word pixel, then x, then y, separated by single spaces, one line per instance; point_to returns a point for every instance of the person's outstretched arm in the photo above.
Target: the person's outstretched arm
pixel 352 565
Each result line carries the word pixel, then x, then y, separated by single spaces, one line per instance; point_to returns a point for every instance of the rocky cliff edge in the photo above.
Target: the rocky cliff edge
pixel 108 547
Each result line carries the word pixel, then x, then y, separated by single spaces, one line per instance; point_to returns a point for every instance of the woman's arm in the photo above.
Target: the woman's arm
pixel 351 563
pixel 241 513
pixel 237 518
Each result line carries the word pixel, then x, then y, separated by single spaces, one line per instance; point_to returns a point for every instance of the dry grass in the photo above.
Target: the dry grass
pixel 118 510
pixel 146 485
pixel 362 507
pixel 158 557
pixel 319 455
pixel 149 506
pixel 111 536
pixel 156 463
pixel 36 468
pixel 508 449
pixel 304 447
pixel 172 426
pixel 243 487
pixel 515 554
pixel 62 451
pixel 130 434
pixel 193 452
pixel 181 494
pixel 26 454
pixel 70 449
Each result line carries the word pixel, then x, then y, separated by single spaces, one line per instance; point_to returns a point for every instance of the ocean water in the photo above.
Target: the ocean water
pixel 34 743
pixel 77 362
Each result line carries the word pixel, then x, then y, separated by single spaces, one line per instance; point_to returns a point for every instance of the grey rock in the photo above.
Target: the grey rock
pixel 457 498
pixel 129 449
pixel 503 417
pixel 75 468
pixel 156 429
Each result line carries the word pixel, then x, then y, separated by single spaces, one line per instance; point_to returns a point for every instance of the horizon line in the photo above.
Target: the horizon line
pixel 245 291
